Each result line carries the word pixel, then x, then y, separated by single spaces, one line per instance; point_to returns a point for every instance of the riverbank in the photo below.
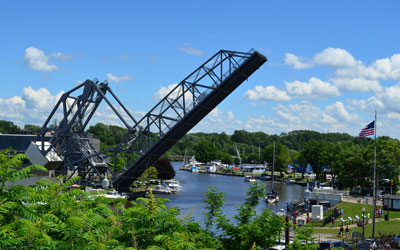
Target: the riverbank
pixel 268 174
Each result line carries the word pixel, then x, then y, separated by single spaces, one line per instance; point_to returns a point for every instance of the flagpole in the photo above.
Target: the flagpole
pixel 375 191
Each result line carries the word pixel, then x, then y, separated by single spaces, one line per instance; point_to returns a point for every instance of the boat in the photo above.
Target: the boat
pixel 272 197
pixel 174 185
pixel 290 181
pixel 193 165
pixel 280 213
pixel 161 189
pixel 213 166
pixel 111 194
pixel 265 177
pixel 249 178
pixel 194 169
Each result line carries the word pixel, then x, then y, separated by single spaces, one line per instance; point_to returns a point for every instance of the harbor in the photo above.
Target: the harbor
pixel 190 199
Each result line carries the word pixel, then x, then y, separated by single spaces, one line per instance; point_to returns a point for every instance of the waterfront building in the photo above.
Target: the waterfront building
pixel 252 168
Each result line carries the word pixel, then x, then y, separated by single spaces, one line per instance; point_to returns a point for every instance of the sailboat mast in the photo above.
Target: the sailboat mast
pixel 273 168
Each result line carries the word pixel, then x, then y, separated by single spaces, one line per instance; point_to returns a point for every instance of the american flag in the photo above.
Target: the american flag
pixel 368 130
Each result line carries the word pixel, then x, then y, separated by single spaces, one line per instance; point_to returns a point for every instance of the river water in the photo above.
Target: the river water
pixel 190 199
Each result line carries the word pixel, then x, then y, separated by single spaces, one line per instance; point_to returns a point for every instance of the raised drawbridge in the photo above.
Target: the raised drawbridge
pixel 146 139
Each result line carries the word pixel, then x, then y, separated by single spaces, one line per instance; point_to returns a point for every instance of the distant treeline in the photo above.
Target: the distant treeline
pixel 249 143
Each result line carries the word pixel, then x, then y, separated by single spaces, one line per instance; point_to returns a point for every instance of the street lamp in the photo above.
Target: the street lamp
pixel 363 212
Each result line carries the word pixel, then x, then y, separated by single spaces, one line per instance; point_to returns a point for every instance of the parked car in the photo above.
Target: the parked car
pixel 395 242
pixel 365 244
pixel 325 245
pixel 341 244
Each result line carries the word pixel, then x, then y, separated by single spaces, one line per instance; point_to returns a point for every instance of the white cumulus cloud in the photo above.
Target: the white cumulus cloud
pixel 36 59
pixel 338 111
pixel 385 69
pixel 231 116
pixel 40 100
pixel 218 121
pixel 390 98
pixel 114 78
pixel 297 62
pixel 163 91
pixel 33 106
pixel 372 103
pixel 314 88
pixel 357 84
pixel 269 93
pixel 335 57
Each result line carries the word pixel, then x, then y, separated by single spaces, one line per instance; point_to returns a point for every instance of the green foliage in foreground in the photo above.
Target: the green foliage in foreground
pixel 50 215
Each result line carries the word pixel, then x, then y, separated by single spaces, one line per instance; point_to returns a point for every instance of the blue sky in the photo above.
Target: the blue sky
pixel 331 64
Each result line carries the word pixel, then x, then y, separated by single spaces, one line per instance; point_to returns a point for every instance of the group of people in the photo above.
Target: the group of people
pixel 342 229
pixel 337 212
pixel 379 211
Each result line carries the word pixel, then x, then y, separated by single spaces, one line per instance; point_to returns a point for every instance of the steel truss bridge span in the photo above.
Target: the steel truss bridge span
pixel 156 132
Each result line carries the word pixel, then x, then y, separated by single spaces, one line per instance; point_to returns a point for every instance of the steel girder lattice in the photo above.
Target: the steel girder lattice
pixel 150 137
pixel 68 137
pixel 183 107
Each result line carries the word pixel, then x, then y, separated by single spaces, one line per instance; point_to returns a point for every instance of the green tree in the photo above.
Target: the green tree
pixel 226 158
pixel 205 151
pixel 214 203
pixel 303 240
pixel 33 128
pixel 282 157
pixel 251 230
pixel 7 127
pixel 149 174
pixel 387 159
pixel 255 192
pixel 312 153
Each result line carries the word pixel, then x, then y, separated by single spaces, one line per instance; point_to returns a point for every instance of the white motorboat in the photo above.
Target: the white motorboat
pixel 290 181
pixel 249 178
pixel 114 194
pixel 272 197
pixel 214 166
pixel 111 194
pixel 174 185
pixel 193 165
pixel 162 189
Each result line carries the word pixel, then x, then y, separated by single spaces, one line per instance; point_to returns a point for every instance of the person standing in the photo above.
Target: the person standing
pixel 347 231
pixel 341 231
pixel 374 245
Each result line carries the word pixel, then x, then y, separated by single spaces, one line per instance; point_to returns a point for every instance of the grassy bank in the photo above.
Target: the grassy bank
pixel 351 210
